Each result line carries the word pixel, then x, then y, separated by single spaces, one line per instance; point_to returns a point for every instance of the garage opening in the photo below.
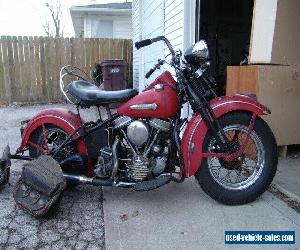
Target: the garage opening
pixel 226 26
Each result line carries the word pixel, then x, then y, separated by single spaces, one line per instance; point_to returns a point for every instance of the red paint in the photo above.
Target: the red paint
pixel 166 100
pixel 61 118
pixel 164 78
pixel 196 130
pixel 40 149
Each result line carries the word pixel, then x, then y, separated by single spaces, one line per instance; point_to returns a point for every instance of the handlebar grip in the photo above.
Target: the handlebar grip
pixel 149 73
pixel 143 43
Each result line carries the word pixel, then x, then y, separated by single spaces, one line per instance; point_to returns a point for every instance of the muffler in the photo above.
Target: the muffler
pixel 80 179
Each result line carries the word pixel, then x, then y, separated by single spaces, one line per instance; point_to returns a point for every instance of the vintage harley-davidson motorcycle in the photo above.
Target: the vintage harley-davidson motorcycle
pixel 147 143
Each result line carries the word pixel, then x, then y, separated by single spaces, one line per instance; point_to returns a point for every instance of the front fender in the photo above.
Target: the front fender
pixel 193 137
pixel 62 118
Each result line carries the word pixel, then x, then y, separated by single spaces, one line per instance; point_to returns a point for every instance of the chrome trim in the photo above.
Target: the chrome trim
pixel 123 184
pixel 160 124
pixel 147 149
pixel 225 103
pixel 121 122
pixel 58 118
pixel 61 83
pixel 249 96
pixel 138 133
pixel 80 178
pixel 70 70
pixel 151 106
pixel 115 157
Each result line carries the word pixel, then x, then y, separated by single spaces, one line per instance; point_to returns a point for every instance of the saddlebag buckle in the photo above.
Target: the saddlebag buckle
pixel 39 186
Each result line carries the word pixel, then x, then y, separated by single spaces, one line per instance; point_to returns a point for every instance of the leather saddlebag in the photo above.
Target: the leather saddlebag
pixel 39 186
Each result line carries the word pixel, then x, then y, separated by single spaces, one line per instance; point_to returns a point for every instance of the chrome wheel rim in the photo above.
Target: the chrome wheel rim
pixel 251 165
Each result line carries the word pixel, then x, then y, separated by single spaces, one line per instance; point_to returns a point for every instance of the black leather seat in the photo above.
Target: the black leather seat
pixel 90 94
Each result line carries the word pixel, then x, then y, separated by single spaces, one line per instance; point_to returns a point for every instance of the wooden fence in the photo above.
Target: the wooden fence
pixel 29 66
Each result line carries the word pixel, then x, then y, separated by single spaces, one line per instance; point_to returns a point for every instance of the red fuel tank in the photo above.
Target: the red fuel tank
pixel 158 100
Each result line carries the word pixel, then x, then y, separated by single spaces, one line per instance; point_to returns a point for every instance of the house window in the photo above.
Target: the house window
pixel 102 29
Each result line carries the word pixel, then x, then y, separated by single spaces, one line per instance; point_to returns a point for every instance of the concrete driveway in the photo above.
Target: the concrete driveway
pixel 182 216
pixel 78 223
pixel 177 216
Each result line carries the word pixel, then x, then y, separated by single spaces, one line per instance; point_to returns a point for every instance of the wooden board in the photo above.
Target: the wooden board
pixel 277 87
pixel 241 79
pixel 275 32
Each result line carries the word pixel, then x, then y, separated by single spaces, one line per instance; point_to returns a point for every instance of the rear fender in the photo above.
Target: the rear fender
pixel 59 117
pixel 196 130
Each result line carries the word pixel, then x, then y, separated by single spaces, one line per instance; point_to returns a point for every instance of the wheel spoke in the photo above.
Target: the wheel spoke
pixel 236 136
pixel 238 176
pixel 243 172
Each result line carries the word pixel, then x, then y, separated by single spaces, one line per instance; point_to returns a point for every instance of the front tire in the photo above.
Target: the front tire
pixel 240 182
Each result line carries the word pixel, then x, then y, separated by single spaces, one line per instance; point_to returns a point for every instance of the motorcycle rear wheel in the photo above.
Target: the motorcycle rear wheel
pixel 244 180
pixel 54 138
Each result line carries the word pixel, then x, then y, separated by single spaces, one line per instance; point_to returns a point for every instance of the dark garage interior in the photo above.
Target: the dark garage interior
pixel 226 26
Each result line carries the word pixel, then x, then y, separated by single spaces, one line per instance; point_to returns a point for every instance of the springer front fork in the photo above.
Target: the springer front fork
pixel 226 150
pixel 233 153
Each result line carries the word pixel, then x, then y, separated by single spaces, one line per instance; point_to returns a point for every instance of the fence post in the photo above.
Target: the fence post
pixel 7 79
pixel 2 80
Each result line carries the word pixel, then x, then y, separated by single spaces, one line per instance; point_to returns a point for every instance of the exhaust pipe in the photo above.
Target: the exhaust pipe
pixel 115 157
pixel 86 180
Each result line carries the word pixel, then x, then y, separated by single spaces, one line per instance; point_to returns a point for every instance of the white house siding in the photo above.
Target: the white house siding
pixel 174 22
pixel 136 36
pixel 148 22
pixel 174 25
pixel 152 26
pixel 151 19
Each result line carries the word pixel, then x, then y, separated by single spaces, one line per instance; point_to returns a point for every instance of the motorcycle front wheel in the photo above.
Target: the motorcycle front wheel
pixel 246 178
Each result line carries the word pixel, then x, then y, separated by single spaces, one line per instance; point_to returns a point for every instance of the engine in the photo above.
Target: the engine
pixel 143 149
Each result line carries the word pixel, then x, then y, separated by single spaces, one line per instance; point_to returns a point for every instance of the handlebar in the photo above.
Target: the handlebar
pixel 147 42
pixel 143 43
pixel 155 67
pixel 150 72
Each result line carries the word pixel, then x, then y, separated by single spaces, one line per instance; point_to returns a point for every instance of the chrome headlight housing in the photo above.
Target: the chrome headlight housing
pixel 197 54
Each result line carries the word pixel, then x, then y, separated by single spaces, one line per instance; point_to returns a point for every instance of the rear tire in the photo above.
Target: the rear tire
pixel 56 137
pixel 37 138
pixel 262 153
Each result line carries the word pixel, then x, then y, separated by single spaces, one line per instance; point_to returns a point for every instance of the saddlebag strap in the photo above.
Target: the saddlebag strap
pixel 40 186
pixel 43 174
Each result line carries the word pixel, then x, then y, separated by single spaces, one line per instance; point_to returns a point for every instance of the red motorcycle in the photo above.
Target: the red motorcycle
pixel 146 144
